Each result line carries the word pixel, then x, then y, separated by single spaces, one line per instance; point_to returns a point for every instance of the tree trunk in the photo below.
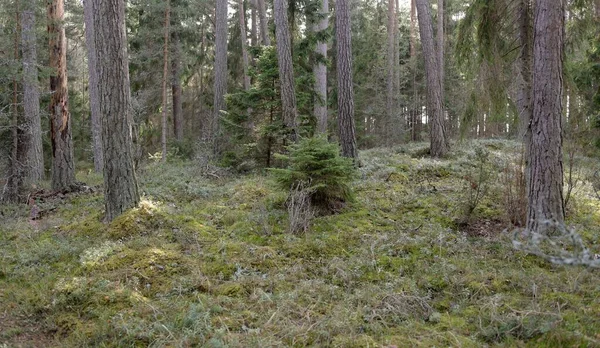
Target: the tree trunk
pixel 176 89
pixel 120 183
pixel 389 105
pixel 164 81
pixel 264 24
pixel 286 69
pixel 524 106
pixel 220 83
pixel 440 45
pixel 398 125
pixel 93 88
pixel 254 27
pixel 63 170
pixel 437 131
pixel 545 179
pixel 32 132
pixel 416 112
pixel 345 93
pixel 243 39
pixel 320 71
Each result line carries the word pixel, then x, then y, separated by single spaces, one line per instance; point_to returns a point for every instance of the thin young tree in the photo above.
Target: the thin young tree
pixel 220 82
pixel 286 69
pixel 320 69
pixel 437 131
pixel 164 107
pixel 110 40
pixel 345 93
pixel 32 130
pixel 63 169
pixel 545 167
pixel 176 88
pixel 93 88
pixel 390 79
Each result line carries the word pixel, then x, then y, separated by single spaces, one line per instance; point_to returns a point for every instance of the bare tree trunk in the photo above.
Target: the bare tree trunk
pixel 524 62
pixel 545 180
pixel 110 41
pixel 220 83
pixel 176 89
pixel 416 112
pixel 63 170
pixel 345 92
pixel 164 81
pixel 389 104
pixel 264 24
pixel 32 132
pixel 254 27
pixel 286 69
pixel 320 71
pixel 245 60
pixel 440 44
pixel 437 131
pixel 399 125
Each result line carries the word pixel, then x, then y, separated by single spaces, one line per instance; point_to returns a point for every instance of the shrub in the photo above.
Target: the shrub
pixel 316 164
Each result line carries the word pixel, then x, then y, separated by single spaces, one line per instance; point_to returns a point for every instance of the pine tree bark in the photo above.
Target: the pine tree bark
pixel 167 31
pixel 437 131
pixel 254 27
pixel 176 89
pixel 320 71
pixel 545 179
pixel 32 131
pixel 63 169
pixel 110 41
pixel 345 93
pixel 440 44
pixel 264 24
pixel 286 69
pixel 389 105
pixel 524 106
pixel 220 82
pixel 93 88
pixel 416 118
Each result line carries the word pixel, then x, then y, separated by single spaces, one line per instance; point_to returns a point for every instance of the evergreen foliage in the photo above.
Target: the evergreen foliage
pixel 317 165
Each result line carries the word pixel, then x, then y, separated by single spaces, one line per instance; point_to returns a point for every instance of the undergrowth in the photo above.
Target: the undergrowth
pixel 208 261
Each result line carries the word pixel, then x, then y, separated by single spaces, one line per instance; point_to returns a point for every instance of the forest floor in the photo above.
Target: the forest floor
pixel 207 261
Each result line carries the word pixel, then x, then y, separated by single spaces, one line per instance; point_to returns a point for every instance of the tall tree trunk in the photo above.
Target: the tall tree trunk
pixel 32 132
pixel 320 71
pixel 524 106
pixel 176 89
pixel 243 39
pixel 440 45
pixel 286 68
pixel 220 82
pixel 164 81
pixel 345 93
pixel 398 124
pixel 390 93
pixel 93 88
pixel 264 24
pixel 63 169
pixel 416 112
pixel 254 27
pixel 110 41
pixel 437 131
pixel 545 179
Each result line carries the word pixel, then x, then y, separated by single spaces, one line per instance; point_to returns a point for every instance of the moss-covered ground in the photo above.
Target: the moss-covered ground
pixel 207 261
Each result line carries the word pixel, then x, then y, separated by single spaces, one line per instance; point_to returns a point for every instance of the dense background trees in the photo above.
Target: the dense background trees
pixel 247 78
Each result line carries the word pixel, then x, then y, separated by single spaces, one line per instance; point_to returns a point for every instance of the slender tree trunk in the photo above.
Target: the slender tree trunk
pixel 437 131
pixel 164 81
pixel 93 88
pixel 176 89
pixel 245 60
pixel 390 93
pixel 416 112
pixel 545 179
pixel 63 170
pixel 110 41
pixel 264 24
pixel 345 86
pixel 399 124
pixel 220 82
pixel 524 106
pixel 32 132
pixel 254 27
pixel 320 71
pixel 286 69
pixel 440 44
